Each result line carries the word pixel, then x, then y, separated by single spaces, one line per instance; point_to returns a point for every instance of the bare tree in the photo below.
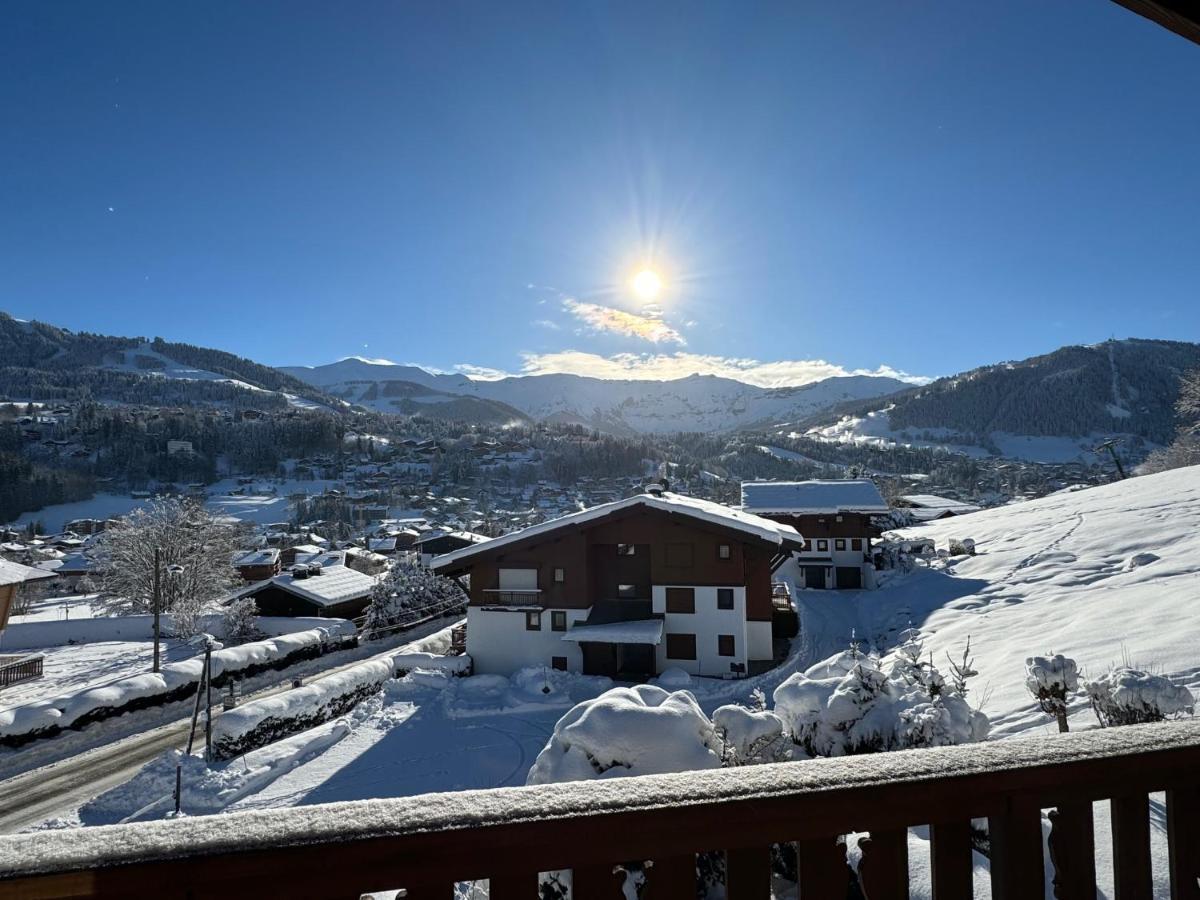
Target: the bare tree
pixel 195 553
pixel 1187 407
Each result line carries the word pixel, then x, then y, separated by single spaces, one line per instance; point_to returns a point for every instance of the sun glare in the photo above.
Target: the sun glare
pixel 647 284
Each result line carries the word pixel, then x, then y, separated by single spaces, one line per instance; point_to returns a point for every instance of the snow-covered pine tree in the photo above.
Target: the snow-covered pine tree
pixel 1051 680
pixel 408 592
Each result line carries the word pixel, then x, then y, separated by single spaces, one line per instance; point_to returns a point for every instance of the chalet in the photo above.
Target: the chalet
pixel 259 565
pixel 180 448
pixel 626 589
pixel 835 518
pixel 12 576
pixel 312 590
pixel 440 541
pixel 930 507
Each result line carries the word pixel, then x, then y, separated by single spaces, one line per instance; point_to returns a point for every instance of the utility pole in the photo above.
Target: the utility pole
pixel 208 701
pixel 157 603
pixel 1111 447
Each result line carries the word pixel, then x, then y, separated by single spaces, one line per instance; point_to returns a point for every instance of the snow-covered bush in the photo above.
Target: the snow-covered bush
pixel 408 592
pixel 640 730
pixel 241 621
pixel 750 736
pixel 261 722
pixel 415 659
pixel 852 704
pixel 1051 680
pixel 961 547
pixel 1126 696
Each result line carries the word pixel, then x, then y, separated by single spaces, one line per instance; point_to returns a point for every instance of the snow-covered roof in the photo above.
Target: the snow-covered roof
pixel 849 495
pixel 15 573
pixel 446 532
pixel 640 631
pixel 692 507
pixel 335 584
pixel 268 556
pixel 932 501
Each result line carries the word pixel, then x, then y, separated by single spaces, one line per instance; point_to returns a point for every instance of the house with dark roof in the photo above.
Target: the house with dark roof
pixel 312 589
pixel 626 589
pixel 835 518
pixel 12 576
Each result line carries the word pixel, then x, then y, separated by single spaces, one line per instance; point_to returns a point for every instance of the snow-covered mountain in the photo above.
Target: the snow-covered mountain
pixel 695 403
pixel 1052 408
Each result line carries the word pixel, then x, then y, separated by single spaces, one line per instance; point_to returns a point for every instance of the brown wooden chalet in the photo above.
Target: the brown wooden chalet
pixel 835 518
pixel 628 588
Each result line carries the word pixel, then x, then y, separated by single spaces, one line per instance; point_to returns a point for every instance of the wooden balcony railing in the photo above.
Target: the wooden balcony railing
pixel 506 597
pixel 425 844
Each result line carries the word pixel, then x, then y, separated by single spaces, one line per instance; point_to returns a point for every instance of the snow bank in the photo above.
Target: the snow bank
pixel 206 790
pixel 641 730
pixel 260 722
pixel 534 688
pixel 175 681
pixel 414 659
pixel 37 635
pixel 1126 696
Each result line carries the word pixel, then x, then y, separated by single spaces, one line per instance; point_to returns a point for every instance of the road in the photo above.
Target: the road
pixel 62 786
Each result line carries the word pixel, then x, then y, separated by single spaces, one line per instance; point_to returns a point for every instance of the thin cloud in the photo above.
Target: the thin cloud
pixel 546 323
pixel 481 373
pixel 618 321
pixel 667 366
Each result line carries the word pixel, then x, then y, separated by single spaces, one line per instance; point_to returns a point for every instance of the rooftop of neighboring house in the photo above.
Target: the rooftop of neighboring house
pixel 933 501
pixel 334 585
pixel 677 504
pixel 15 573
pixel 816 497
pixel 267 556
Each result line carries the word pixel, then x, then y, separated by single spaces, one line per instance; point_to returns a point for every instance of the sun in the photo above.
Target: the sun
pixel 647 284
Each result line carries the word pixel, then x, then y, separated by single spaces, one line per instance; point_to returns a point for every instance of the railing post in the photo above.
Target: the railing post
pixel 596 883
pixel 522 886
pixel 822 870
pixel 672 878
pixel 883 871
pixel 951 860
pixel 748 873
pixel 1073 851
pixel 1183 842
pixel 1016 852
pixel 1132 877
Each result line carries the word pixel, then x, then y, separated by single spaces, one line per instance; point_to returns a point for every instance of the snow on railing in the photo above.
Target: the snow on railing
pixel 426 844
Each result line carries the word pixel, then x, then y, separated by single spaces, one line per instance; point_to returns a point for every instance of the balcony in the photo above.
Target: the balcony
pixel 512 597
pixel 425 844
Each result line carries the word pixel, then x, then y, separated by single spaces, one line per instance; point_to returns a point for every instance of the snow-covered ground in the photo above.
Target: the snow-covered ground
pixel 55 609
pixel 77 666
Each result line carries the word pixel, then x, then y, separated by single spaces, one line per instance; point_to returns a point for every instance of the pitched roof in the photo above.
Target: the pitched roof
pixel 933 501
pixel 335 584
pixel 692 507
pixel 851 495
pixel 265 557
pixel 15 573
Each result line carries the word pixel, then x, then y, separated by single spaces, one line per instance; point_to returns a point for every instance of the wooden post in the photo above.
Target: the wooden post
pixel 1183 843
pixel 823 872
pixel 748 873
pixel 883 870
pixel 157 605
pixel 951 860
pixel 1073 851
pixel 1016 852
pixel 208 702
pixel 1131 847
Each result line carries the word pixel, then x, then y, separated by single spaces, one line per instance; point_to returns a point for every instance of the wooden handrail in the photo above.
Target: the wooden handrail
pixel 427 843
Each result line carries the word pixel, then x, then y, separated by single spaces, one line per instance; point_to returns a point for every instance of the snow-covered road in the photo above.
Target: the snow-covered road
pixel 51 789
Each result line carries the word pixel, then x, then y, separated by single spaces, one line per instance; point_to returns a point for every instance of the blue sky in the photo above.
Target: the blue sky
pixel 924 187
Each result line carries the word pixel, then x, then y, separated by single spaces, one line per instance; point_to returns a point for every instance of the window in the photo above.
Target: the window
pixel 681 600
pixel 679 555
pixel 724 551
pixel 807 546
pixel 560 575
pixel 839 544
pixel 724 598
pixel 725 645
pixel 558 662
pixel 626 549
pixel 533 621
pixel 822 546
pixel 681 646
pixel 558 620
pixel 856 543
pixel 518 579
pixel 627 591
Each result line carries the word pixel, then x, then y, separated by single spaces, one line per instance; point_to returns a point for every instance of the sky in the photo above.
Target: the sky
pixel 914 188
